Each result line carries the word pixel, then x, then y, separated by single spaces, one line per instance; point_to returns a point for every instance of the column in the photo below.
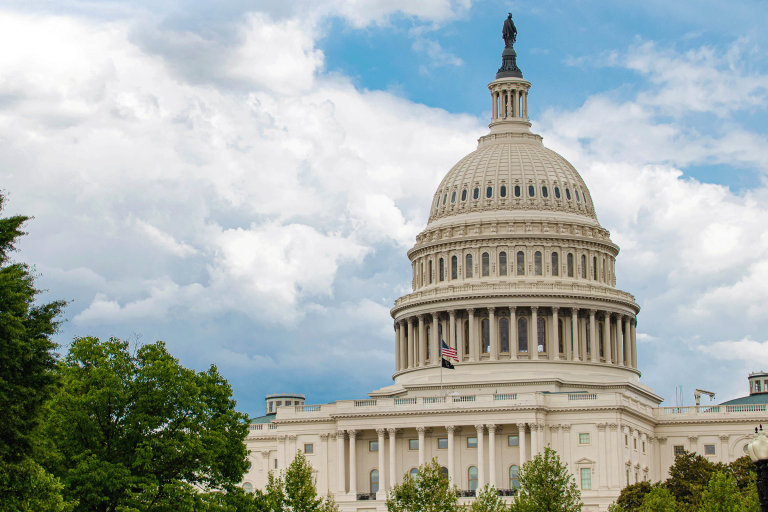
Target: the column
pixel 281 452
pixel 554 432
pixel 593 336
pixel 392 458
pixel 534 439
pixel 607 337
pixel 480 457
pixel 382 485
pixel 460 339
pixel 567 447
pixel 291 447
pixel 492 335
pixel 627 342
pixel 403 346
pixel 613 448
pixel 556 333
pixel 340 461
pixel 322 480
pixel 422 348
pixel 633 339
pixel 451 465
pixel 451 329
pixel 422 458
pixel 472 337
pixel 525 106
pixel 434 341
pixel 493 105
pixel 533 340
pixel 410 340
pixel 575 333
pixel 619 342
pixel 620 453
pixel 521 443
pixel 352 462
pixel 397 346
pixel 603 468
pixel 492 455
pixel 513 347
pixel 724 455
pixel 515 109
pixel 694 448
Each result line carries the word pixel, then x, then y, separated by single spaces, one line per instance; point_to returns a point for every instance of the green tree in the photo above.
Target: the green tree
pixel 428 492
pixel 743 470
pixel 488 500
pixel 688 477
pixel 632 496
pixel 138 431
pixel 547 486
pixel 300 492
pixel 659 500
pixel 615 507
pixel 721 495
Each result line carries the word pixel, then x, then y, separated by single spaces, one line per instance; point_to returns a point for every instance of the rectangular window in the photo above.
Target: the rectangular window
pixel 513 441
pixel 586 479
pixel 275 463
pixel 709 449
pixel 635 441
pixel 287 402
pixel 520 263
pixel 279 403
pixel 679 450
pixel 442 443
pixel 471 442
pixel 413 444
pixel 643 446
pixel 309 448
pixel 626 440
pixel 757 386
pixel 503 264
pixel 373 446
pixel 583 438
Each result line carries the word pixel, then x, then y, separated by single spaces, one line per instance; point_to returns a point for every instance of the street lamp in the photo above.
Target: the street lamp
pixel 758 452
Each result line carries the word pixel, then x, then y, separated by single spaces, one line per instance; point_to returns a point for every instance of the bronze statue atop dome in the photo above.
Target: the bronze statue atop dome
pixel 509 32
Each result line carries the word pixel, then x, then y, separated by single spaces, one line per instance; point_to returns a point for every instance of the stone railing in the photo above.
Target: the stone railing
pixel 366 496
pixel 365 403
pixel 581 396
pixel 512 396
pixel 308 408
pixel 709 410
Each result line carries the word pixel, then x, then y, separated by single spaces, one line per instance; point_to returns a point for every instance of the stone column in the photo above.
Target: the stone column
pixel 593 336
pixel 603 468
pixel 724 455
pixel 451 464
pixel 460 339
pixel 525 106
pixel 352 462
pixel 513 347
pixel 607 337
pixel 533 348
pixel 627 343
pixel 382 482
pixel 422 349
pixel 435 361
pixel 494 352
pixel 451 329
pixel 392 458
pixel 480 457
pixel 322 480
pixel 575 333
pixel 403 346
pixel 619 342
pixel 556 334
pixel 613 447
pixel 521 443
pixel 493 105
pixel 410 340
pixel 292 447
pixel 421 431
pixel 281 452
pixel 534 439
pixel 492 455
pixel 694 447
pixel 340 461
pixel 472 343
pixel 567 447
pixel 633 339
pixel 554 432
pixel 397 346
pixel 662 441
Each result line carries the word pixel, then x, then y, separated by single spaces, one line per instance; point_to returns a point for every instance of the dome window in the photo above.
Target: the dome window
pixel 544 192
pixel 517 191
pixel 577 195
pixel 464 195
pixel 568 194
pixel 557 192
pixel 489 192
pixel 531 191
pixel 453 197
pixel 476 194
pixel 445 198
pixel 503 191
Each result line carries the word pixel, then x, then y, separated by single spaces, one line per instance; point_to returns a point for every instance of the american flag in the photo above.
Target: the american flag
pixel 449 352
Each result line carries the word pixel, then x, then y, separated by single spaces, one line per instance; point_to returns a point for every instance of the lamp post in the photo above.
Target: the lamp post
pixel 758 452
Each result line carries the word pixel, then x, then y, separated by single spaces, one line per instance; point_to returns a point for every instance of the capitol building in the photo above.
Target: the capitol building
pixel 515 273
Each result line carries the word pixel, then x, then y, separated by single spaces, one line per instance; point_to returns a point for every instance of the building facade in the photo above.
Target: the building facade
pixel 515 273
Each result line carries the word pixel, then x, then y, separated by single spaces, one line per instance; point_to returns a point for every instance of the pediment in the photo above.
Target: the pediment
pixel 584 461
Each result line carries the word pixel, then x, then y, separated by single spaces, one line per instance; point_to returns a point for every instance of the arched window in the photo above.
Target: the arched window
pixel 464 195
pixel 568 194
pixel 468 269
pixel 430 272
pixel 537 263
pixel 442 269
pixel 445 198
pixel 577 195
pixel 504 335
pixel 444 472
pixel 466 338
pixel 602 269
pixel 489 192
pixel 555 264
pixel 454 267
pixel 502 263
pixel 560 330
pixel 472 474
pixel 486 334
pixel 476 194
pixel 374 480
pixel 531 191
pixel 503 191
pixel 541 327
pixel 429 345
pixel 514 482
pixel 414 473
pixel 544 192
pixel 486 264
pixel 583 266
pixel 522 333
pixel 520 263
pixel 248 488
pixel 453 197
pixel 517 190
pixel 557 192
pixel 570 264
pixel 594 268
pixel 600 339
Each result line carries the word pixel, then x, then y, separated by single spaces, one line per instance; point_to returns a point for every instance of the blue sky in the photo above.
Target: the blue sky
pixel 243 179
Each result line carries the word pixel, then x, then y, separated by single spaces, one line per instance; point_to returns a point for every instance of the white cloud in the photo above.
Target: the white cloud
pixel 164 240
pixel 437 55
pixel 747 350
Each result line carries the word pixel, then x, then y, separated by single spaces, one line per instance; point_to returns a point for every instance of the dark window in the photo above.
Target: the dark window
pixel 471 442
pixel 486 264
pixel 594 268
pixel 489 192
pixel 444 471
pixel 568 194
pixel 561 348
pixel 504 334
pixel 464 195
pixel 503 191
pixel 514 481
pixel 442 269
pixel 472 475
pixel 466 338
pixel 445 198
pixel 442 443
pixel 570 265
pixel 375 480
pixel 544 192
pixel 709 449
pixel 557 192
pixel 517 190
pixel 430 271
pixel 522 334
pixel 453 197
pixel 502 263
pixel 454 267
pixel 555 264
pixel 520 263
pixel 541 334
pixel 600 339
pixel 476 193
pixel 537 263
pixel 309 448
pixel 679 450
pixel 485 327
pixel 531 191
pixel 513 441
pixel 577 195
pixel 583 266
pixel 469 265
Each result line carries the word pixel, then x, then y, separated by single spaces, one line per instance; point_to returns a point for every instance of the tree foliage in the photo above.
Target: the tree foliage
pixel 429 491
pixel 721 495
pixel 659 500
pixel 688 477
pixel 632 496
pixel 138 431
pixel 547 486
pixel 488 500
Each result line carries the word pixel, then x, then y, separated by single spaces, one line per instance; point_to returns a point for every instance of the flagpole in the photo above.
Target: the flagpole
pixel 441 367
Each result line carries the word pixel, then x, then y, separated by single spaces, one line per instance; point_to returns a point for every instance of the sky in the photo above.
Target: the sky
pixel 242 180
